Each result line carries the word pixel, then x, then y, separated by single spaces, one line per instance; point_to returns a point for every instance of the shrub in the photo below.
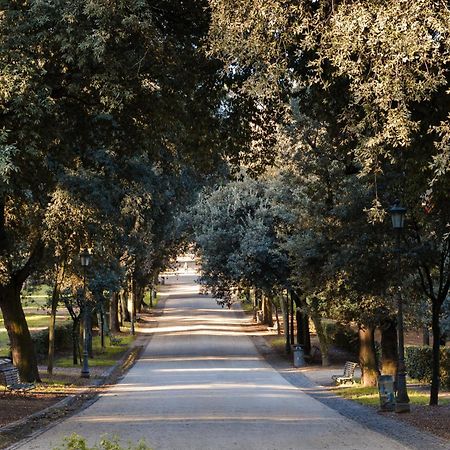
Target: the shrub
pixel 76 442
pixel 341 336
pixel 63 339
pixel 418 361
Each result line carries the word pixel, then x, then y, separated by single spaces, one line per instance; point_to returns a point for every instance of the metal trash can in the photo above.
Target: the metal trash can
pixel 386 391
pixel 299 355
pixel 259 317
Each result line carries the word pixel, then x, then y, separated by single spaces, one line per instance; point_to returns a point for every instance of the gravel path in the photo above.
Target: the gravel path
pixel 201 384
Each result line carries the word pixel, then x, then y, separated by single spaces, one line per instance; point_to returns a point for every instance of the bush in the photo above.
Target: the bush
pixel 63 339
pixel 76 442
pixel 341 336
pixel 418 361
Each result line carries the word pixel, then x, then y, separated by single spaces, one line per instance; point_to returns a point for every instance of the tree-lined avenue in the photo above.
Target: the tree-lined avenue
pixel 201 384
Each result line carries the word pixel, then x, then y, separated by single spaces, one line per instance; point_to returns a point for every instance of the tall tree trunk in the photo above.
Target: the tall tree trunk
pixel 435 365
pixel 267 311
pixel 277 320
pixel 125 313
pixel 22 347
pixel 389 353
pixel 285 312
pixel 367 355
pixel 140 291
pixel 323 342
pixel 59 276
pixel 292 309
pixel 132 304
pixel 114 313
pixel 303 334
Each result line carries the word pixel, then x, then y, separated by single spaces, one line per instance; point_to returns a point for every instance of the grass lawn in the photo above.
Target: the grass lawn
pixel 102 357
pixel 37 296
pixel 369 396
pixel 247 306
pixel 39 320
pixel 4 343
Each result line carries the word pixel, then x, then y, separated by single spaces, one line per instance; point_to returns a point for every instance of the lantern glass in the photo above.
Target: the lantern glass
pixel 398 216
pixel 85 258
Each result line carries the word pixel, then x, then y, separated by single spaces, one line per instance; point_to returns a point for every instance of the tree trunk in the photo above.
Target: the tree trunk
pixel 267 311
pixel 292 309
pixel 303 334
pixel 59 276
pixel 140 291
pixel 51 328
pixel 277 320
pixel 285 312
pixel 114 313
pixel 125 316
pixel 22 347
pixel 435 365
pixel 367 355
pixel 132 304
pixel 76 353
pixel 389 353
pixel 323 342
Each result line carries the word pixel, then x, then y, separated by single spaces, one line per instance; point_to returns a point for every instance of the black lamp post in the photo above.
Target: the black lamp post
pixel 402 400
pixel 85 260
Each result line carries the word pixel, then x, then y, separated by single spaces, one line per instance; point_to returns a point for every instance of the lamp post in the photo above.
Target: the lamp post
pixel 402 400
pixel 85 260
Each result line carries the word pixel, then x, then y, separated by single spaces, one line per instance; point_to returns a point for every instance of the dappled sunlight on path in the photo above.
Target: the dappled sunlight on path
pixel 201 384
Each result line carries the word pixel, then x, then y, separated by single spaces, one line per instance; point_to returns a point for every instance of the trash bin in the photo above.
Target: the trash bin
pixel 299 359
pixel 386 391
pixel 259 317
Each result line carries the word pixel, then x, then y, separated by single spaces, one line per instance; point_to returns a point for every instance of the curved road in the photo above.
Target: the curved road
pixel 201 384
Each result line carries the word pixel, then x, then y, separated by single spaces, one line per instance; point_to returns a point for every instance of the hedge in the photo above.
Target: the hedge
pixel 418 360
pixel 63 339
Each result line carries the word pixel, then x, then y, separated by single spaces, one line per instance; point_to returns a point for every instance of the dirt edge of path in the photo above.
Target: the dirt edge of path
pixel 34 424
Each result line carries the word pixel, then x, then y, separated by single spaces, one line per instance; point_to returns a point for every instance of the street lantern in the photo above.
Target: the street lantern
pixel 402 400
pixel 85 260
pixel 397 215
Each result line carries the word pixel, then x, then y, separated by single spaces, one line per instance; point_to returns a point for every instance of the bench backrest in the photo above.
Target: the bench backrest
pixel 349 368
pixel 10 376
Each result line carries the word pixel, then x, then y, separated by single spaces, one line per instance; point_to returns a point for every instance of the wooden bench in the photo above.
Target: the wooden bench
pixel 347 376
pixel 9 377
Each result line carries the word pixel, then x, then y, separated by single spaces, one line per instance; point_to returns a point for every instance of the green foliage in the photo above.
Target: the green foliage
pixel 341 336
pixel 63 339
pixel 77 442
pixel 418 361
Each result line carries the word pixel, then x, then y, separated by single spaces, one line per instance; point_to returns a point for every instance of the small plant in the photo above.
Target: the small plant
pixel 77 442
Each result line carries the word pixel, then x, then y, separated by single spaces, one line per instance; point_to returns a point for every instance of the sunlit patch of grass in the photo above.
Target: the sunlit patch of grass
pixel 107 356
pixel 39 320
pixel 369 395
pixel 4 343
pixel 37 296
pixel 247 306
